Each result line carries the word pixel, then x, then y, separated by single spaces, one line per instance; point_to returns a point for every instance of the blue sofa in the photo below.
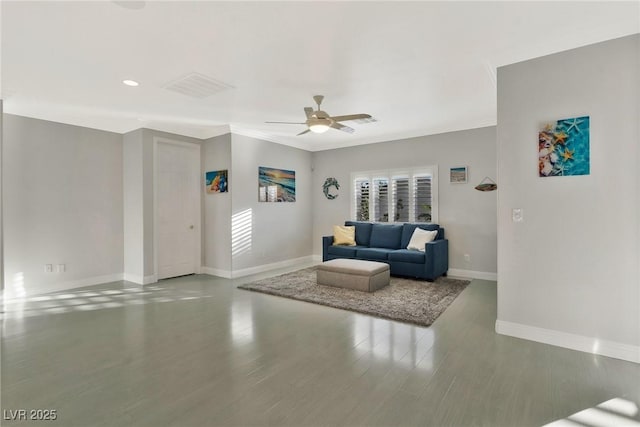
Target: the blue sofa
pixel 384 242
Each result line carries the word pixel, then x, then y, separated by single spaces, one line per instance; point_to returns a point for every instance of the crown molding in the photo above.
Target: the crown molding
pixel 251 133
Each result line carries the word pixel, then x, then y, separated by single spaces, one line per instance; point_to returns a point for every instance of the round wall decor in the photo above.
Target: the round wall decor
pixel 328 183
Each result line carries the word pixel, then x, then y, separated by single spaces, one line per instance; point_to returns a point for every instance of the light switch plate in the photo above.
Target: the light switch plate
pixel 517 215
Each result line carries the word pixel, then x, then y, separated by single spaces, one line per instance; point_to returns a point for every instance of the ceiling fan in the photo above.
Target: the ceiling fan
pixel 319 121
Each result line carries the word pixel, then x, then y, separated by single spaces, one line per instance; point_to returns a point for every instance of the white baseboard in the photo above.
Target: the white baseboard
pixel 140 280
pixel 266 267
pixel 591 345
pixel 470 274
pixel 317 258
pixel 216 272
pixel 63 286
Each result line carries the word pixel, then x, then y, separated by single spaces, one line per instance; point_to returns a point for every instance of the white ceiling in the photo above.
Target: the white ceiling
pixel 418 67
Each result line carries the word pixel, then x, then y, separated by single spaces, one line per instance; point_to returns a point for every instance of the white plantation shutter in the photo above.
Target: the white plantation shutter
pixel 400 201
pixel 395 196
pixel 422 200
pixel 381 199
pixel 362 199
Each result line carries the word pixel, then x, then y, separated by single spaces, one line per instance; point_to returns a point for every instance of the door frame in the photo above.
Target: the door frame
pixel 198 208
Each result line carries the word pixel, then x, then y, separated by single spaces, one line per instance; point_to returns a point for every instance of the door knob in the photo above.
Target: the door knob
pixel 191 227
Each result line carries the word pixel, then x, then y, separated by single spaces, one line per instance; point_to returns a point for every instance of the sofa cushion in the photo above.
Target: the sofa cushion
pixel 344 235
pixel 374 253
pixel 408 228
pixel 406 255
pixel 420 238
pixel 386 236
pixel 363 232
pixel 343 251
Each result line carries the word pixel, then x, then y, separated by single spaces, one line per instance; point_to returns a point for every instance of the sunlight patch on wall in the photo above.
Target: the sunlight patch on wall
pixel 241 224
pixel 17 285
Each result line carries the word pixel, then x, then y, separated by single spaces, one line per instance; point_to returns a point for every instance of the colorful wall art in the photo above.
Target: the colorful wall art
pixel 216 181
pixel 563 148
pixel 276 185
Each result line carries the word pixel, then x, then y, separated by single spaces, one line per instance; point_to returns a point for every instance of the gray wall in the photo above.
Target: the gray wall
pixel 571 268
pixel 216 208
pixel 63 201
pixel 279 231
pixel 133 212
pixel 468 215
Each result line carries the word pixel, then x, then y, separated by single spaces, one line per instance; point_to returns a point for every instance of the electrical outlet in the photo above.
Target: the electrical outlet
pixel 467 258
pixel 517 215
pixel 60 268
pixel 48 268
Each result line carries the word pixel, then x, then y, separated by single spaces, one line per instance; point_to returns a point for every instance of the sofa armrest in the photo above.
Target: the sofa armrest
pixel 326 242
pixel 437 258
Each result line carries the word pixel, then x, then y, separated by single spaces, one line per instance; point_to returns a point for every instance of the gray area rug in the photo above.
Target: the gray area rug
pixel 405 300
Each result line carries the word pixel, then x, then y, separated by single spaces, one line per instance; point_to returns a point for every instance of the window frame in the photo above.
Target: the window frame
pixel 390 175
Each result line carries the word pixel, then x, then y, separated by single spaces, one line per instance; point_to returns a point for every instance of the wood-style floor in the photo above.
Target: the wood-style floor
pixel 196 351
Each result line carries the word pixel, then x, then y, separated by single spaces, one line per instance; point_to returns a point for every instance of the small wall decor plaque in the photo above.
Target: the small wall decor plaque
pixel 326 188
pixel 563 148
pixel 487 184
pixel 217 181
pixel 458 175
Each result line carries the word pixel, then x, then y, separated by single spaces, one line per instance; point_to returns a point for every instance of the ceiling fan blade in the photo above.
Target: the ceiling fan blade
pixel 303 132
pixel 289 123
pixel 350 117
pixel 308 111
pixel 342 127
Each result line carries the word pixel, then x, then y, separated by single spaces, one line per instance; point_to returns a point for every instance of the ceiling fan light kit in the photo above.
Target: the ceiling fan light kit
pixel 319 121
pixel 319 125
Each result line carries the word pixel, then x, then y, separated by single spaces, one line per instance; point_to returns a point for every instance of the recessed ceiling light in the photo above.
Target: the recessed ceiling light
pixel 130 82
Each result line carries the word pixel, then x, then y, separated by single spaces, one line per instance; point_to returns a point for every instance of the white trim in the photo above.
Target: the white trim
pixel 198 209
pixel 272 266
pixel 63 286
pixel 471 274
pixel 583 343
pixel 140 280
pixel 227 274
pixel 317 258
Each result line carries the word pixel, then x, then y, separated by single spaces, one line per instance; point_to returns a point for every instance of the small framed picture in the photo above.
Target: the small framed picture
pixel 458 175
pixel 216 181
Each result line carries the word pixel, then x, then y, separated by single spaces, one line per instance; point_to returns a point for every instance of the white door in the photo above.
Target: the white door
pixel 178 228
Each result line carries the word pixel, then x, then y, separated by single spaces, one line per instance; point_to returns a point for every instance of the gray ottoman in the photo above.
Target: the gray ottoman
pixel 367 276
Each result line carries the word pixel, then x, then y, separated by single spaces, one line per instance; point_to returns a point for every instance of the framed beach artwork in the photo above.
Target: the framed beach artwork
pixel 276 185
pixel 563 148
pixel 217 181
pixel 458 175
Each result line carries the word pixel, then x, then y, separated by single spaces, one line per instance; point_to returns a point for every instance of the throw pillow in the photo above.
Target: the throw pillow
pixel 421 237
pixel 344 235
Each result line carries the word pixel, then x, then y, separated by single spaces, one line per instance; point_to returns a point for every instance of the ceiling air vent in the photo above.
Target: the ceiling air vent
pixel 197 85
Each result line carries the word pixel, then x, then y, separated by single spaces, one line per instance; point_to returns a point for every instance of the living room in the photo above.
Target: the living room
pixel 558 257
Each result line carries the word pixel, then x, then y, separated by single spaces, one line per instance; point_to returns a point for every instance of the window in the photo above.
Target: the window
pixel 381 200
pixel 396 195
pixel 361 190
